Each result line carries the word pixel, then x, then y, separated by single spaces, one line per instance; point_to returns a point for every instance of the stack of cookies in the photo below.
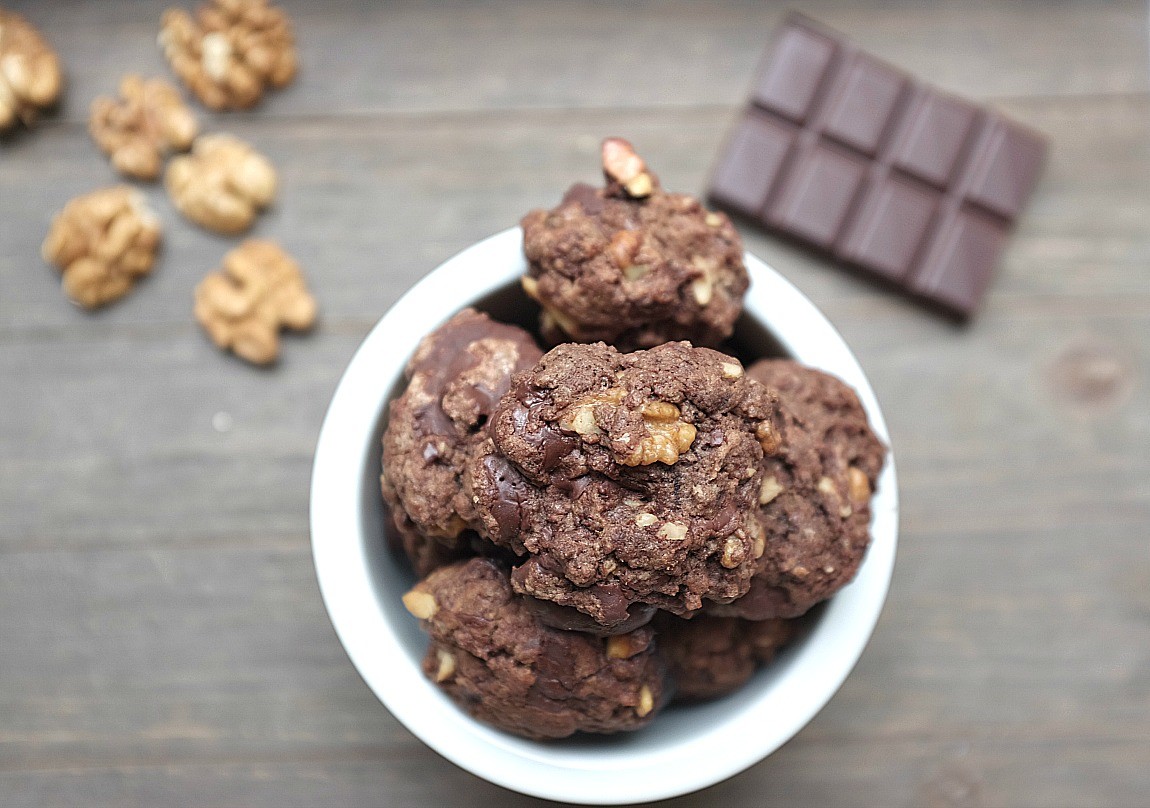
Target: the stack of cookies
pixel 633 517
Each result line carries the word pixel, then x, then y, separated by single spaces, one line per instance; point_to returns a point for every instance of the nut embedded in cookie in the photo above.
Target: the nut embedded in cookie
pixel 103 242
pixel 30 75
pixel 814 501
pixel 631 264
pixel 626 478
pixel 260 291
pixel 493 657
pixel 231 52
pixel 140 128
pixel 222 184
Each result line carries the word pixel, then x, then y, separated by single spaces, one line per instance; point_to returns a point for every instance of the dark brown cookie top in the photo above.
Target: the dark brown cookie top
pixel 492 656
pixel 708 657
pixel 815 495
pixel 631 264
pixel 628 478
pixel 455 379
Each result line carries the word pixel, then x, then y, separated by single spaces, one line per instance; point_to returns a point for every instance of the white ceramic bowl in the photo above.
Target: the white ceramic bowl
pixel 685 748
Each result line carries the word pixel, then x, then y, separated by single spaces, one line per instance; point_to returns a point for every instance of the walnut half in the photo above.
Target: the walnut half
pixel 222 184
pixel 103 242
pixel 139 129
pixel 231 51
pixel 30 75
pixel 668 436
pixel 260 290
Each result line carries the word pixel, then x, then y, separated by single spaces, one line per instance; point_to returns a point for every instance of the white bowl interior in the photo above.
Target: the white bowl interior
pixel 686 747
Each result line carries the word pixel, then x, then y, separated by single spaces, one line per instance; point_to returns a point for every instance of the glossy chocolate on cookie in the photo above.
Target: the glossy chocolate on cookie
pixel 627 479
pixel 456 378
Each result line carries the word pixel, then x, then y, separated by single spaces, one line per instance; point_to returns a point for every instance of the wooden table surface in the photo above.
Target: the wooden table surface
pixel 163 641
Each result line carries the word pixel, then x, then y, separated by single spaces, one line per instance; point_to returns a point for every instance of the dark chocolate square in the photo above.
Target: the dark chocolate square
pixel 816 194
pixel 791 79
pixel 862 160
pixel 931 135
pixel 894 215
pixel 862 103
pixel 1005 168
pixel 747 170
pixel 957 268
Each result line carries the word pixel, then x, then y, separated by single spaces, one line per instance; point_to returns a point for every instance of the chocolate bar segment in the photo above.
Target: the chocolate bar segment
pixel 853 156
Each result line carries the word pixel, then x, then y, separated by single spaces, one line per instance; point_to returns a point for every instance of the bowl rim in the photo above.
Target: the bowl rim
pixel 343 569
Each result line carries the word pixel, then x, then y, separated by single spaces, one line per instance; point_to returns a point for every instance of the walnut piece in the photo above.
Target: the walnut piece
pixel 222 184
pixel 732 370
pixel 667 436
pixel 446 667
pixel 769 490
pixel 769 437
pixel 622 165
pixel 103 242
pixel 139 129
pixel 646 702
pixel 231 51
pixel 244 307
pixel 30 75
pixel 625 646
pixel 858 486
pixel 580 418
pixel 420 604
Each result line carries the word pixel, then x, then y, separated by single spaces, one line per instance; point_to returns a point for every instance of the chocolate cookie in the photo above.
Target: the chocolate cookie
pixel 815 496
pixel 423 552
pixel 631 264
pixel 455 379
pixel 708 657
pixel 628 478
pixel 499 663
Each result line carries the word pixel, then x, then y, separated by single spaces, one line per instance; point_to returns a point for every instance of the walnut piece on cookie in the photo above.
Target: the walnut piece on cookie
pixel 30 74
pixel 631 264
pixel 626 479
pixel 222 184
pixel 814 502
pixel 231 52
pixel 260 290
pixel 141 127
pixel 493 657
pixel 103 242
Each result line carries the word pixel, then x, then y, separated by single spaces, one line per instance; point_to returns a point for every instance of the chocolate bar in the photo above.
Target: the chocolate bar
pixel 859 159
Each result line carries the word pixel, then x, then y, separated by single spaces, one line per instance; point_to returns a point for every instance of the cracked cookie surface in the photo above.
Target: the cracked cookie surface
pixel 815 493
pixel 493 657
pixel 627 479
pixel 455 379
pixel 630 268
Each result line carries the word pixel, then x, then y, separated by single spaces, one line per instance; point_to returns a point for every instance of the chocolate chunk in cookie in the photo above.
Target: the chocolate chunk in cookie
pixel 455 379
pixel 632 264
pixel 815 494
pixel 708 657
pixel 628 478
pixel 492 656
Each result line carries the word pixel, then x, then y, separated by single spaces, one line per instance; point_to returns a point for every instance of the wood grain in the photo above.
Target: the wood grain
pixel 163 640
